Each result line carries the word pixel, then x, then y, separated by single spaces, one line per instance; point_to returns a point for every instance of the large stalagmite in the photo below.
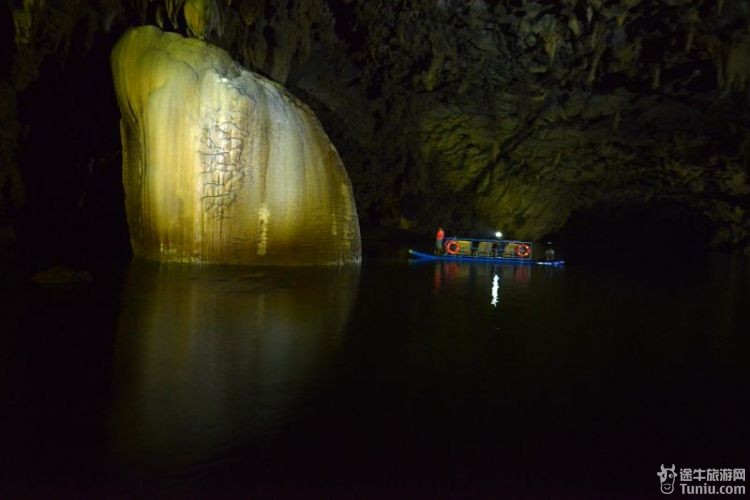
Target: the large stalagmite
pixel 222 165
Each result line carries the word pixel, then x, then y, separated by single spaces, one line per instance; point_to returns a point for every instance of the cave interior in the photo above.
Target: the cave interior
pixel 604 127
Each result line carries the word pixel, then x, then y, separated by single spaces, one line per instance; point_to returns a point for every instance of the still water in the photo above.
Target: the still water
pixel 391 379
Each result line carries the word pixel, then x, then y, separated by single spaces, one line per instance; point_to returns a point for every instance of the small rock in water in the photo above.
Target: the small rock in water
pixel 61 275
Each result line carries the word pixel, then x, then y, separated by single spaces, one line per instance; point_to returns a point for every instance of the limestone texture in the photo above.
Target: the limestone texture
pixel 221 165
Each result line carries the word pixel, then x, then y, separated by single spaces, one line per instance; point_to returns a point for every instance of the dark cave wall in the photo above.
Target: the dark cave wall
pixel 11 192
pixel 70 158
pixel 66 197
pixel 515 114
pixel 474 115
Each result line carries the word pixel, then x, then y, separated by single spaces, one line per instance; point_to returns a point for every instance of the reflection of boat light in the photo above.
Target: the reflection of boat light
pixel 495 288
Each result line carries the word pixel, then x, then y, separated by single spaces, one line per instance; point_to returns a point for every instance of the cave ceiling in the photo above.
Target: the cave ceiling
pixel 474 114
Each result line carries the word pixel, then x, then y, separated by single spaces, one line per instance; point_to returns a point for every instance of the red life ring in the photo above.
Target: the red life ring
pixel 452 247
pixel 523 250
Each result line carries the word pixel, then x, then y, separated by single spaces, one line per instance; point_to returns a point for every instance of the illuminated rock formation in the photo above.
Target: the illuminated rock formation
pixel 221 165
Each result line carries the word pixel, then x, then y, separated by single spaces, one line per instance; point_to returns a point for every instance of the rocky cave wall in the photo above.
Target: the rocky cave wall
pixel 471 114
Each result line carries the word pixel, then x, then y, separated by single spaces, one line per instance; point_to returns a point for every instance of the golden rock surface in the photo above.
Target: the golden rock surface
pixel 221 165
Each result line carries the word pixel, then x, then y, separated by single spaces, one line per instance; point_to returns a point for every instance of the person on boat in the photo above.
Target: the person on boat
pixel 549 254
pixel 439 237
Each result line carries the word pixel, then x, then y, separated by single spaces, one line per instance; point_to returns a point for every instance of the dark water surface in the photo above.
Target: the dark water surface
pixel 389 380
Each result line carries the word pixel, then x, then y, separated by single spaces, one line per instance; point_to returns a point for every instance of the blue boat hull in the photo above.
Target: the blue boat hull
pixel 498 260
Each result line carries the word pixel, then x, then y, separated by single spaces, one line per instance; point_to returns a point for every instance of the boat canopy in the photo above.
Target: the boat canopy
pixel 478 247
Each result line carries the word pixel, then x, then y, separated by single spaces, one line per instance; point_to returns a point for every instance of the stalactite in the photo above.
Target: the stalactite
pixel 738 66
pixel 655 76
pixel 616 122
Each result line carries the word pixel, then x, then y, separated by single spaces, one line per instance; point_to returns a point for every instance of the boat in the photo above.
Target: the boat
pixel 479 250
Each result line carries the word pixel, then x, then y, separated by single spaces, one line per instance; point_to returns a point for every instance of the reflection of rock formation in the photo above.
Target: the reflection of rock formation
pixel 207 358
pixel 222 165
